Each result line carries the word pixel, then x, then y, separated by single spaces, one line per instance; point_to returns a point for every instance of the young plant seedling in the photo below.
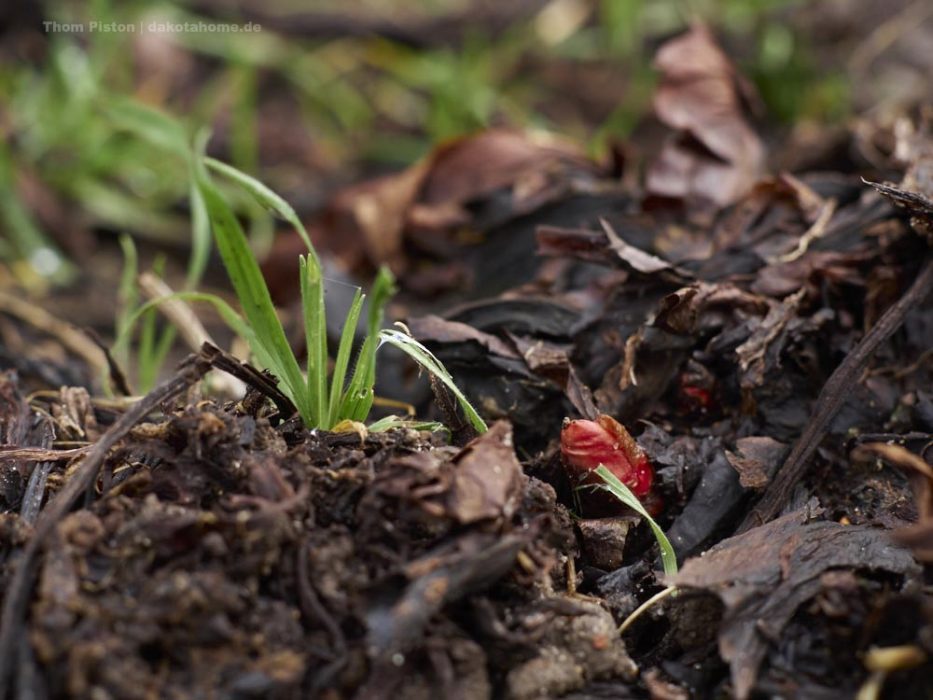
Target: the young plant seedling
pixel 319 403
pixel 605 456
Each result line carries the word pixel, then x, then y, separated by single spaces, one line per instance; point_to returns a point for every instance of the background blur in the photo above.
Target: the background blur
pixel 310 97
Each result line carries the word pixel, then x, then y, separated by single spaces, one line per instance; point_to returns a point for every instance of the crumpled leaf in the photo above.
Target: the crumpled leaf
pixel 685 311
pixel 783 278
pixel 764 575
pixel 370 219
pixel 762 350
pixel 553 362
pixel 715 156
pixel 488 478
pixel 756 458
pixel 434 329
pixel 606 247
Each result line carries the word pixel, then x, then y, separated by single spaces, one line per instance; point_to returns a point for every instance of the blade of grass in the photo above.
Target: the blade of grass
pixel 200 221
pixel 127 292
pixel 624 494
pixel 149 374
pixel 392 422
pixel 153 346
pixel 233 320
pixel 145 350
pixel 251 290
pixel 357 401
pixel 426 359
pixel 266 196
pixel 157 127
pixel 200 236
pixel 358 398
pixel 343 358
pixel 315 322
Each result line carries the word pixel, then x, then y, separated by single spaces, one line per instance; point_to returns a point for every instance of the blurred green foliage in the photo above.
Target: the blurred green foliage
pixel 361 99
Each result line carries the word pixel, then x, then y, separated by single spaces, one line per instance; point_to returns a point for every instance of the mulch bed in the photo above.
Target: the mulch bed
pixel 766 339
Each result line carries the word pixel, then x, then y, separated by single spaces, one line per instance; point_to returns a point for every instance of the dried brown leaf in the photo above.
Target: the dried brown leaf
pixel 764 575
pixel 716 156
pixel 487 480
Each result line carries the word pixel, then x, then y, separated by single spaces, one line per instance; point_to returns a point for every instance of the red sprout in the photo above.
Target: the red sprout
pixel 585 444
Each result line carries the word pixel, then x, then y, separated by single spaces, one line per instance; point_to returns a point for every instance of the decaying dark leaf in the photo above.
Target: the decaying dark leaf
pixel 605 247
pixel 756 459
pixel 715 156
pixel 764 575
pixel 487 478
pixel 762 348
pixel 711 509
pixel 371 219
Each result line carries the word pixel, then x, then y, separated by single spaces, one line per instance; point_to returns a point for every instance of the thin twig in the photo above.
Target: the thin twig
pixel 815 232
pixel 831 397
pixel 35 454
pixel 251 376
pixel 16 599
pixel 651 602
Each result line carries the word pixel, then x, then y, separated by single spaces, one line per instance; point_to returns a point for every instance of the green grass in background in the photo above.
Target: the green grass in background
pixel 361 99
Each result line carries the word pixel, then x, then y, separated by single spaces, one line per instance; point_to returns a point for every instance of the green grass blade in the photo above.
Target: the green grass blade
pixel 393 422
pixel 358 398
pixel 382 290
pixel 266 197
pixel 153 346
pixel 624 494
pixel 157 127
pixel 342 360
pixel 200 236
pixel 233 320
pixel 426 359
pixel 149 374
pixel 251 290
pixel 200 221
pixel 315 321
pixel 146 351
pixel 127 293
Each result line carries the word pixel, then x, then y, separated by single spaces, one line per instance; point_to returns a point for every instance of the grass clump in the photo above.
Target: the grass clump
pixel 323 395
pixel 320 403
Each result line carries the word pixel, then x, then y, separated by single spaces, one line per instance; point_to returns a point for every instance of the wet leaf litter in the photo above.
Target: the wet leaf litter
pixel 760 344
